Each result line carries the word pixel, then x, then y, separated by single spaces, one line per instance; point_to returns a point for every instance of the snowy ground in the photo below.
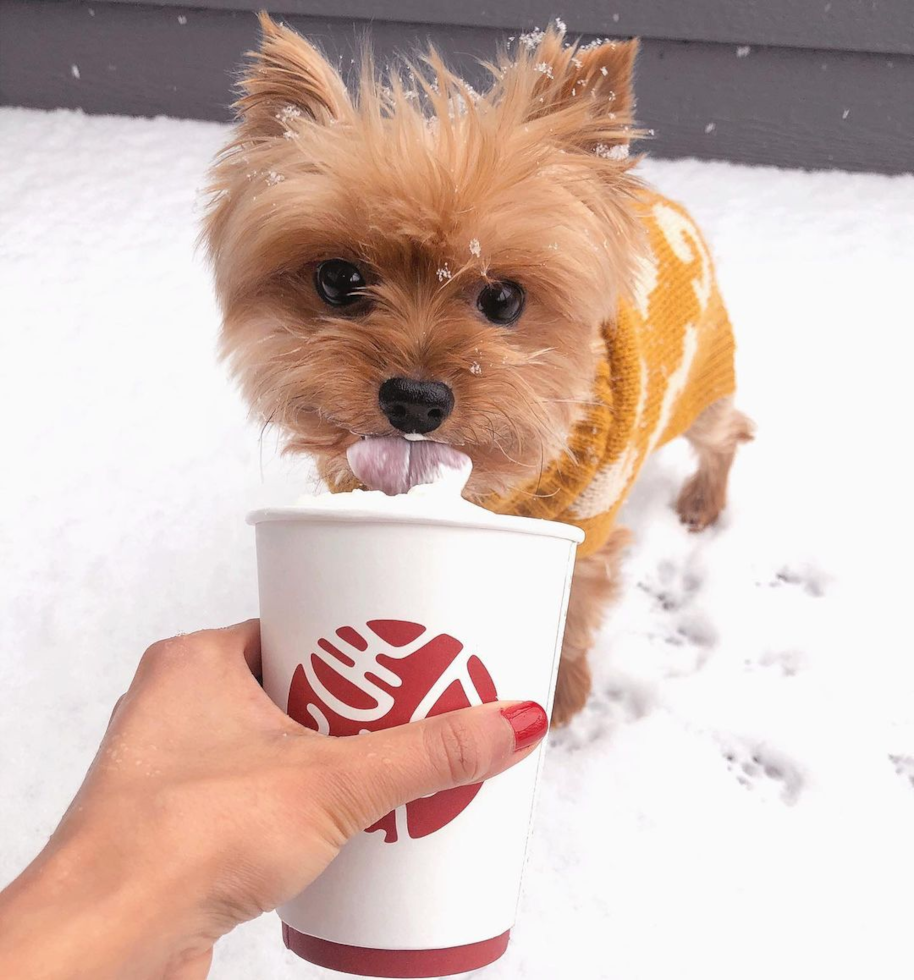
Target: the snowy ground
pixel 738 800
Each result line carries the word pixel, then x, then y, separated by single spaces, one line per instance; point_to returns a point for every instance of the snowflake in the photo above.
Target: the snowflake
pixel 617 152
pixel 710 127
pixel 743 51
pixel 475 368
pixel 604 71
pixel 475 248
pixel 577 62
pixel 290 134
pixel 620 151
pixel 845 114
pixel 561 25
pixel 533 39
pixel 74 71
pixel 457 104
pixel 287 113
pixel 273 178
pixel 444 273
pixel 182 20
pixel 545 68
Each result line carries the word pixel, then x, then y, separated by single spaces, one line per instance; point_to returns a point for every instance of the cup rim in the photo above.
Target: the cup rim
pixel 485 521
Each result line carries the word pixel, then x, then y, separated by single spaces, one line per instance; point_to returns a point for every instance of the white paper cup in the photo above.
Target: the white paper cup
pixel 373 620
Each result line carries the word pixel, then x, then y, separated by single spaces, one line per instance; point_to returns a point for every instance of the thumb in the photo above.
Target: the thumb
pixel 376 772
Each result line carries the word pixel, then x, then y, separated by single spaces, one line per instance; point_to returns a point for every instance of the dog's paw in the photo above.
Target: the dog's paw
pixel 763 770
pixel 700 502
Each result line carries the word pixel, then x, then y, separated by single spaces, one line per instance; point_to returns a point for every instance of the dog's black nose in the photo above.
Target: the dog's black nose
pixel 415 406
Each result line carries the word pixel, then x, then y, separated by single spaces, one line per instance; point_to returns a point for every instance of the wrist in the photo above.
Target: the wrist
pixel 81 910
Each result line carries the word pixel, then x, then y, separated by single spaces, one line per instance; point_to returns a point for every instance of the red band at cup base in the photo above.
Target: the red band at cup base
pixel 401 963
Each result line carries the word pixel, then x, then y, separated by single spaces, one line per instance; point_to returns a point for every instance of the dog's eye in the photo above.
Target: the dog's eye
pixel 338 283
pixel 501 302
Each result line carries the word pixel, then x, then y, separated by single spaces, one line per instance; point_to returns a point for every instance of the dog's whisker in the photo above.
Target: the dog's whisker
pixel 263 429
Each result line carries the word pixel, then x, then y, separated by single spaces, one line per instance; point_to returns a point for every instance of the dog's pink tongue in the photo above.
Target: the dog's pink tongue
pixel 394 465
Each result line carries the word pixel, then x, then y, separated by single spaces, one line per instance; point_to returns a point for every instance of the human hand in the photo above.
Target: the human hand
pixel 206 805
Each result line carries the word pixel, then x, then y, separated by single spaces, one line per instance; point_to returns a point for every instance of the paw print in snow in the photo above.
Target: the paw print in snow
pixel 675 589
pixel 787 662
pixel 672 587
pixel 904 766
pixel 811 580
pixel 763 770
pixel 621 701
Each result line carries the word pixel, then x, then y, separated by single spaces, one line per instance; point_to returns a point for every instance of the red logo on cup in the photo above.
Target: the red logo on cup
pixel 389 673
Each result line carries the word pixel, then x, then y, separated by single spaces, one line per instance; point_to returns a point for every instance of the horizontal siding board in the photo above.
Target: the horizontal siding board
pixel 879 26
pixel 785 107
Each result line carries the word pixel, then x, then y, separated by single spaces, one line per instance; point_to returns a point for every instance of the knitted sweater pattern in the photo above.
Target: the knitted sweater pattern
pixel 669 355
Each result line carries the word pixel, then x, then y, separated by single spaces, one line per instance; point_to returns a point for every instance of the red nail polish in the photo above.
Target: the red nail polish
pixel 529 721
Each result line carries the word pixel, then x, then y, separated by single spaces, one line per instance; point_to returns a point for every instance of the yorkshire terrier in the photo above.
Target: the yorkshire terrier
pixel 483 272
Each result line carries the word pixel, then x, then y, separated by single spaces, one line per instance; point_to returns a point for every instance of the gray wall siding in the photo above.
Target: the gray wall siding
pixel 781 104
pixel 846 25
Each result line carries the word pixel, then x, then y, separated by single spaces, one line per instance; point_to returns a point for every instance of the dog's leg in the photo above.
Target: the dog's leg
pixel 595 584
pixel 714 436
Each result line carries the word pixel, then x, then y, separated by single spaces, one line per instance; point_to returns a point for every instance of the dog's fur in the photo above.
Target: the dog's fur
pixel 433 190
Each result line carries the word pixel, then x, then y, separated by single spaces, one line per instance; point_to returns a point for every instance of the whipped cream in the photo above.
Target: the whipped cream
pixel 396 465
pixel 404 475
pixel 436 501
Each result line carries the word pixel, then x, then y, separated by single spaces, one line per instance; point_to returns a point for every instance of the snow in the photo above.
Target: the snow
pixel 737 799
pixel 532 39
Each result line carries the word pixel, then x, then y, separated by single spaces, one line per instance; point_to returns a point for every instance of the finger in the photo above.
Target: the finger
pixel 373 773
pixel 238 642
pixel 245 638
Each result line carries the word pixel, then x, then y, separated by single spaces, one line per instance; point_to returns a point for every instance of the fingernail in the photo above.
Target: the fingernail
pixel 529 721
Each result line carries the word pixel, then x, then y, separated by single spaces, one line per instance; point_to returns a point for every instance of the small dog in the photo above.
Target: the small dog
pixel 485 268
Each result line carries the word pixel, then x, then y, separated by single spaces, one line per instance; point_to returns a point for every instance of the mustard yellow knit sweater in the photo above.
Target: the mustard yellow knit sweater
pixel 669 355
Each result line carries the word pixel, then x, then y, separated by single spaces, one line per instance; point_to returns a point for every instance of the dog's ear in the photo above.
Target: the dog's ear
pixel 288 77
pixel 593 83
pixel 605 73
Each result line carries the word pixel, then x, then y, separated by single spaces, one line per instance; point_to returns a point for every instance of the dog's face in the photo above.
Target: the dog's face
pixel 426 262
